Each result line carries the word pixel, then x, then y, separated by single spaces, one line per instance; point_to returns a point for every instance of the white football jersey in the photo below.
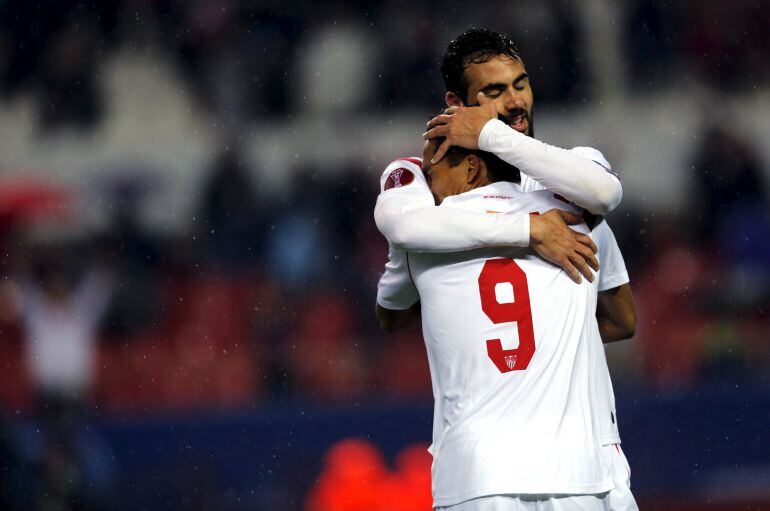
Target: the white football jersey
pixel 403 178
pixel 509 340
pixel 494 394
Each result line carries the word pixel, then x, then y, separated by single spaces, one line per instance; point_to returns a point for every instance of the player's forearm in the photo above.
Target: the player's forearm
pixel 584 182
pixel 394 320
pixel 616 314
pixel 421 228
pixel 612 332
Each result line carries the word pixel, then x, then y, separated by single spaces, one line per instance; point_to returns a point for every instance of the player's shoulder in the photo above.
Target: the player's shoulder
pixel 592 154
pixel 401 173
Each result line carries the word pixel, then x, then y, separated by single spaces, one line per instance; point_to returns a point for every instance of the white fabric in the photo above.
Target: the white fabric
pixel 524 431
pixel 612 274
pixel 61 337
pixel 408 217
pixel 533 503
pixel 395 290
pixel 581 175
pixel 620 497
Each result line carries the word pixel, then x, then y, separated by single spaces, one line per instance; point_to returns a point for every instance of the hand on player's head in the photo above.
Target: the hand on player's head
pixel 459 126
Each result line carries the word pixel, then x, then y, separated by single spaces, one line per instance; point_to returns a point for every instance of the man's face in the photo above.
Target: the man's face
pixel 443 179
pixel 505 81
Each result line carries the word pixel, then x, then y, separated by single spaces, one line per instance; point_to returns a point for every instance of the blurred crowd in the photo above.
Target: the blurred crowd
pixel 269 297
pixel 247 60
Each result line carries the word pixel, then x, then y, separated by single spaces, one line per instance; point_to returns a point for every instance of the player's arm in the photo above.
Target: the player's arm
pixel 409 219
pixel 398 302
pixel 616 314
pixel 589 183
pixel 393 320
pixel 615 307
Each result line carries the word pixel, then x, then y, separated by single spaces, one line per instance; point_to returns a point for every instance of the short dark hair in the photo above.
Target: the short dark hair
pixel 474 46
pixel 497 169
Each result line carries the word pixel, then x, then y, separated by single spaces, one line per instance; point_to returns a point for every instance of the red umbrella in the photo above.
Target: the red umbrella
pixel 27 198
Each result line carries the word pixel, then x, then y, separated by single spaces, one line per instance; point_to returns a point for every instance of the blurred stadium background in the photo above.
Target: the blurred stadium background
pixel 189 259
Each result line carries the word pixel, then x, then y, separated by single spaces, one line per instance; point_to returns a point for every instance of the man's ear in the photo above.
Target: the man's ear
pixel 453 99
pixel 473 173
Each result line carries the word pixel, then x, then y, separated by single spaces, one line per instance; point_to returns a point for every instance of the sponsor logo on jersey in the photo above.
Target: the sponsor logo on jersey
pixel 398 178
pixel 510 361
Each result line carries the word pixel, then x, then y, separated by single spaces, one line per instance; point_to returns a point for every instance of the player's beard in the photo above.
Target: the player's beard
pixel 527 115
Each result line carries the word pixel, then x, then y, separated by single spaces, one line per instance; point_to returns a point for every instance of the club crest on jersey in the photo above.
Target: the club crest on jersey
pixel 510 361
pixel 398 178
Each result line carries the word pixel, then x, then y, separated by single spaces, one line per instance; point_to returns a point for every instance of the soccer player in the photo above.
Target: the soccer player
pixel 406 215
pixel 510 440
pixel 485 65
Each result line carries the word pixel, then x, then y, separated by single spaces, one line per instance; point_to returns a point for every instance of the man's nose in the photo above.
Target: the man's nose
pixel 513 100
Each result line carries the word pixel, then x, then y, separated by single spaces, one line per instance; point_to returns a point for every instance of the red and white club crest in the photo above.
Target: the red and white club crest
pixel 510 361
pixel 399 177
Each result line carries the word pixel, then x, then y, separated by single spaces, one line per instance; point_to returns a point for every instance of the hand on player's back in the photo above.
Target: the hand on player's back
pixel 552 239
pixel 461 126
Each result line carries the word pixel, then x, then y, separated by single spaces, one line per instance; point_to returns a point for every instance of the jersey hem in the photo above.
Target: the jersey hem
pixel 394 306
pixel 614 281
pixel 543 488
pixel 610 439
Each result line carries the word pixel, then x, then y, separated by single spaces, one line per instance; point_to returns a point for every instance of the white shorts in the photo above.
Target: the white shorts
pixel 620 497
pixel 534 503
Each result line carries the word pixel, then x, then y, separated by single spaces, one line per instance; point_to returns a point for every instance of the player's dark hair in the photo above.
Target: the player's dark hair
pixel 497 169
pixel 474 46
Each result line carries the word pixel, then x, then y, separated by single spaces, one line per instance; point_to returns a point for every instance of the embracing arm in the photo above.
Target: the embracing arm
pixel 419 227
pixel 616 314
pixel 585 181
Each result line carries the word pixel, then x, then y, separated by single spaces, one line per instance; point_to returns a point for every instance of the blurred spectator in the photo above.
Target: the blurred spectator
pixel 70 89
pixel 652 38
pixel 60 316
pixel 229 210
pixel 133 254
pixel 729 46
pixel 726 173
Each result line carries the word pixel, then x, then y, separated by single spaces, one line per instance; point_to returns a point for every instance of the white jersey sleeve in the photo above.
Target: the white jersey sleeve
pixel 613 271
pixel 407 216
pixel 395 290
pixel 575 174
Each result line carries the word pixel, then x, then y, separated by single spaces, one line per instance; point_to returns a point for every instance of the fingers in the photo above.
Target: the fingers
pixel 582 266
pixel 587 254
pixel 568 217
pixel 451 110
pixel 439 131
pixel 587 241
pixel 441 152
pixel 439 120
pixel 569 268
pixel 482 99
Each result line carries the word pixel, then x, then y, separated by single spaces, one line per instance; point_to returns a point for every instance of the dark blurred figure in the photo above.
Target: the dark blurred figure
pixel 70 92
pixel 728 43
pixel 134 255
pixel 652 39
pixel 229 226
pixel 727 176
pixel 732 215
